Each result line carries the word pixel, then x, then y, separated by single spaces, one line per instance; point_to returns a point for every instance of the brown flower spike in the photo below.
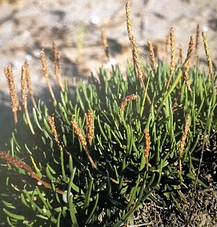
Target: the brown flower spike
pixel 24 95
pixel 29 84
pixel 124 103
pixel 45 73
pixel 53 130
pixel 83 141
pixel 20 164
pixel 152 57
pixel 208 57
pixel 173 55
pixel 147 147
pixel 89 126
pixel 105 43
pixel 57 56
pixel 14 98
pixel 136 59
pixel 183 140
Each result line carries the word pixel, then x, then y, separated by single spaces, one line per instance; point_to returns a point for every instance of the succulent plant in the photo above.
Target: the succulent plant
pixel 92 157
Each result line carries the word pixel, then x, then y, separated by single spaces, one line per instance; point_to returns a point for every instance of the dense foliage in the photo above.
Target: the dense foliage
pixel 117 145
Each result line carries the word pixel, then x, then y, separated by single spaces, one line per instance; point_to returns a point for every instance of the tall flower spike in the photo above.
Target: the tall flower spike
pixel 180 54
pixel 13 95
pixel 90 126
pixel 83 141
pixel 186 77
pixel 147 147
pixel 190 50
pixel 105 43
pixel 124 103
pixel 53 130
pixel 197 43
pixel 208 57
pixel 57 56
pixel 152 57
pixel 24 96
pixel 20 164
pixel 183 140
pixel 167 47
pixel 173 55
pixel 135 50
pixel 29 84
pixel 45 73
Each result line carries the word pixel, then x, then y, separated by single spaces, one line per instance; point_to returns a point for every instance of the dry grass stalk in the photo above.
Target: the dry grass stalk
pixel 53 130
pixel 186 77
pixel 197 43
pixel 20 164
pixel 180 53
pixel 51 122
pixel 24 95
pixel 105 43
pixel 13 95
pixel 135 49
pixel 167 47
pixel 128 20
pixel 184 134
pixel 124 103
pixel 183 140
pixel 29 84
pixel 152 57
pixel 137 62
pixel 147 147
pixel 173 55
pixel 190 50
pixel 57 56
pixel 208 57
pixel 45 73
pixel 90 126
pixel 83 141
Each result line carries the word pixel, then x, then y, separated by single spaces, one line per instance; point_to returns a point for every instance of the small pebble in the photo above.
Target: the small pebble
pixel 94 20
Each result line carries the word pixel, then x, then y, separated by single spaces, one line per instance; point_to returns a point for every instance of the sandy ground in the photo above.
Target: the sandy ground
pixel 75 26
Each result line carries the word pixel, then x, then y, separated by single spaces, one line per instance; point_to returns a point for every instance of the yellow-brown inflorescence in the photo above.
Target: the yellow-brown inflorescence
pixel 53 130
pixel 24 87
pixel 90 126
pixel 20 164
pixel 185 133
pixel 186 77
pixel 24 95
pixel 83 141
pixel 167 48
pixel 147 147
pixel 128 20
pixel 183 140
pixel 140 72
pixel 105 43
pixel 180 53
pixel 13 95
pixel 124 103
pixel 45 73
pixel 190 50
pixel 197 43
pixel 29 84
pixel 186 63
pixel 208 57
pixel 57 56
pixel 152 57
pixel 173 55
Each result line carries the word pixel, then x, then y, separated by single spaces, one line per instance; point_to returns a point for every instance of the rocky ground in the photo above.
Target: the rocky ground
pixel 75 26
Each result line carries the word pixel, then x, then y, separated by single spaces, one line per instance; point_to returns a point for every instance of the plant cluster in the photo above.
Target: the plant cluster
pixel 91 158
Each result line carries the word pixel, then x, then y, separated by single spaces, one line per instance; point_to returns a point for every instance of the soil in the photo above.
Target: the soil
pixel 75 26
